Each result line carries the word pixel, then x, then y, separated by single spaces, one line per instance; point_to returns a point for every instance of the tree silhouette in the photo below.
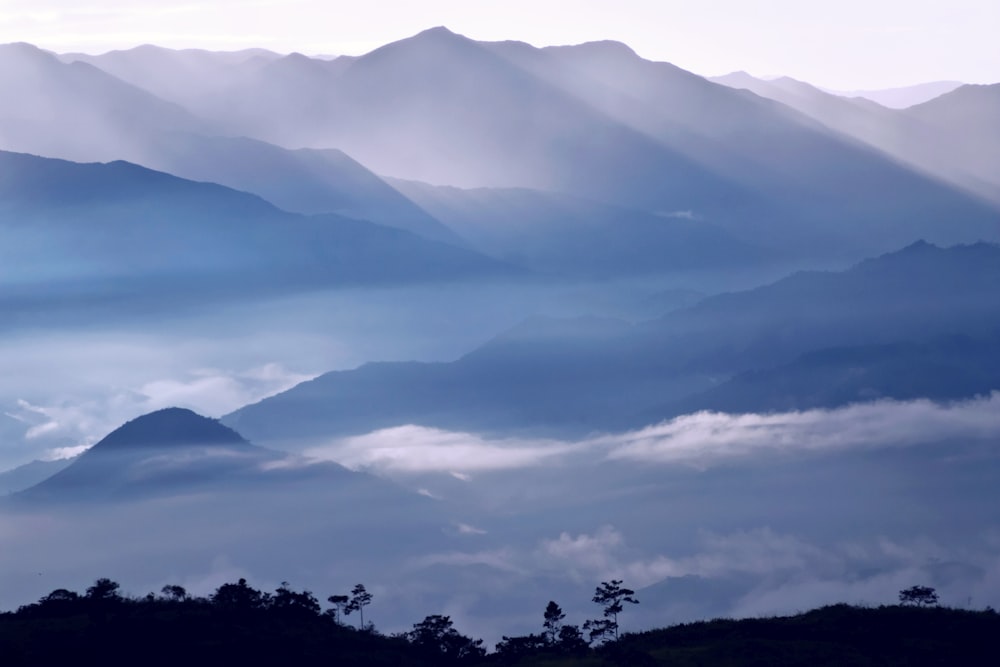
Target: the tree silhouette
pixel 571 640
pixel 174 592
pixel 553 621
pixel 612 597
pixel 919 596
pixel 339 603
pixel 435 636
pixel 290 602
pixel 104 590
pixel 360 598
pixel 239 596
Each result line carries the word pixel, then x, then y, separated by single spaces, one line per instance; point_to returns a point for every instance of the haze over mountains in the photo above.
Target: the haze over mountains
pixel 483 323
pixel 952 136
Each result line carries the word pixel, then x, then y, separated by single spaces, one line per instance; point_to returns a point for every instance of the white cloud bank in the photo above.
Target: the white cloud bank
pixel 698 440
pixel 706 437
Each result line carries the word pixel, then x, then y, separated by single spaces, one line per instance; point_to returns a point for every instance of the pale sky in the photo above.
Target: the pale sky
pixel 842 44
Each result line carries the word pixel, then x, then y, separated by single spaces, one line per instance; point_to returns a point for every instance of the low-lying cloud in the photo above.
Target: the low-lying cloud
pixel 704 438
pixel 699 440
pixel 417 449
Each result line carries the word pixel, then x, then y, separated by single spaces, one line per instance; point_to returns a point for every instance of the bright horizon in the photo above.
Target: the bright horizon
pixel 846 45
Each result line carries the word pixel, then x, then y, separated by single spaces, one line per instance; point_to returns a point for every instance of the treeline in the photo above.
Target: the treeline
pixel 238 624
pixel 241 623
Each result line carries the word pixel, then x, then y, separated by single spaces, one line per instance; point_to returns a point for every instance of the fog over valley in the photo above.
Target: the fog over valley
pixel 483 324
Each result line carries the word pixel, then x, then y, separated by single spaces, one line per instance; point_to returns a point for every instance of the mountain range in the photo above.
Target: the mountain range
pixel 952 136
pixel 570 316
pixel 121 231
pixel 579 376
pixel 594 123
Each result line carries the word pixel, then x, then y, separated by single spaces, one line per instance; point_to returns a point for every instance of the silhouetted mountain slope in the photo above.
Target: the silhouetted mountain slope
pixel 173 447
pixel 961 135
pixel 593 121
pixel 77 111
pixel 176 452
pixel 302 181
pixel 922 290
pixel 463 116
pixel 953 136
pixel 834 635
pixel 553 233
pixel 903 97
pixel 816 181
pixel 186 76
pixel 585 375
pixel 29 474
pixel 940 369
pixel 124 228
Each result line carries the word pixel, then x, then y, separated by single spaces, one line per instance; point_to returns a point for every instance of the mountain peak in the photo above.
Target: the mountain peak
pixel 170 427
pixel 437 31
pixel 26 51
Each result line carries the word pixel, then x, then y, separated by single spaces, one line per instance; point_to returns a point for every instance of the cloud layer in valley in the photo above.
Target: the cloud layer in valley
pixel 699 440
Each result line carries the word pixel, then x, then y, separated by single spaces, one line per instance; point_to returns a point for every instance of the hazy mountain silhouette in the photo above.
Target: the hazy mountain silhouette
pixel 176 451
pixel 819 182
pixel 170 447
pixel 29 474
pixel 301 181
pixel 593 121
pixel 77 111
pixel 586 375
pixel 69 224
pixel 904 96
pixel 186 76
pixel 941 369
pixel 573 236
pixel 966 139
pixel 951 136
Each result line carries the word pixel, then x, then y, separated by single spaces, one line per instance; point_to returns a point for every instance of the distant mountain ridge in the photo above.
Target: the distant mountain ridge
pixel 593 121
pixel 172 447
pixel 588 376
pixel 120 226
pixel 952 136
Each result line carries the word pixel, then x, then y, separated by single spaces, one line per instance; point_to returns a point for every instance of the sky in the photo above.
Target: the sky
pixel 840 44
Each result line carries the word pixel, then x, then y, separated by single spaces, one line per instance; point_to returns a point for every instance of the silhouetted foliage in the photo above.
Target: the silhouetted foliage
pixel 571 641
pixel 611 596
pixel 174 592
pixel 339 608
pixel 921 596
pixel 239 597
pixel 360 598
pixel 239 625
pixel 436 637
pixel 554 617
pixel 510 650
pixel 104 590
pixel 287 601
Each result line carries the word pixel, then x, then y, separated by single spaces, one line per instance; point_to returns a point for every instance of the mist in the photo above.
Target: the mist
pixel 481 325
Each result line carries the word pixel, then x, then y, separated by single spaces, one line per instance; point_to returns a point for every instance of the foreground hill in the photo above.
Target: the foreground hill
pixel 239 623
pixel 584 375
